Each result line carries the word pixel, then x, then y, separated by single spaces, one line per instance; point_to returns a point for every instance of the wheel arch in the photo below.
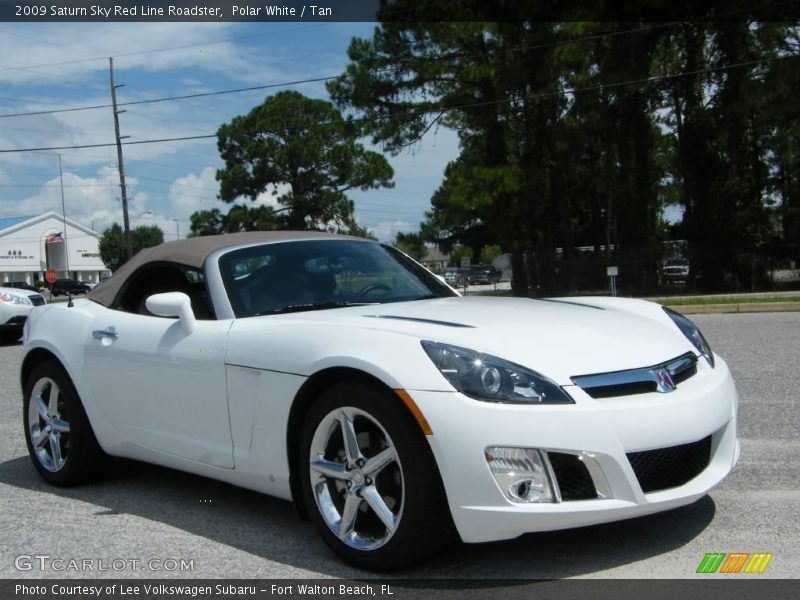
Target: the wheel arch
pixel 35 357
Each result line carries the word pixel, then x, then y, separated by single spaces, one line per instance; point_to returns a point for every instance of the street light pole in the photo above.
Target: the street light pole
pixel 63 215
pixel 177 228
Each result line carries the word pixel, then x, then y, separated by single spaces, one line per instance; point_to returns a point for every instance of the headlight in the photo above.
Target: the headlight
pixel 486 377
pixel 692 333
pixel 13 299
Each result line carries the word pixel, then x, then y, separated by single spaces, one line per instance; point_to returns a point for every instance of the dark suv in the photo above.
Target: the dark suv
pixel 484 274
pixel 62 286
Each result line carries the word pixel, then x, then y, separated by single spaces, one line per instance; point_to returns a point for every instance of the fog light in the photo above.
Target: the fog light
pixel 521 473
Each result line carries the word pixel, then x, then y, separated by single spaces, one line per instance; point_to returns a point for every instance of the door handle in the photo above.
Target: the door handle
pixel 100 334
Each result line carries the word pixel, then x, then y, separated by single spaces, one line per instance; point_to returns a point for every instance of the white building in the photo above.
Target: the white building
pixel 31 245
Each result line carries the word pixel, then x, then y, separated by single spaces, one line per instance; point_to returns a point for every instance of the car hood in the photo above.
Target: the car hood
pixel 560 338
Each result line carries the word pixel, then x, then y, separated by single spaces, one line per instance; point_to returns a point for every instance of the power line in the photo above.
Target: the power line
pixel 56 185
pixel 442 109
pixel 168 98
pixel 156 141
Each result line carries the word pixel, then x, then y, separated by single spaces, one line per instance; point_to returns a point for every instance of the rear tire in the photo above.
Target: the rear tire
pixel 377 500
pixel 60 439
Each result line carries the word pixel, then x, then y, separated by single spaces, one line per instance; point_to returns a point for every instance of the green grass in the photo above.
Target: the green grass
pixel 725 300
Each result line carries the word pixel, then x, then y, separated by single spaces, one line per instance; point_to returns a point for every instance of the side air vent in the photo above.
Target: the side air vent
pixel 572 476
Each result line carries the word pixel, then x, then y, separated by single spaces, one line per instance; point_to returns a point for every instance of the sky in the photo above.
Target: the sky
pixel 46 66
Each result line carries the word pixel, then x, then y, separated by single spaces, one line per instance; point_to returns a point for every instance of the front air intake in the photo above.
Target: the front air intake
pixel 671 467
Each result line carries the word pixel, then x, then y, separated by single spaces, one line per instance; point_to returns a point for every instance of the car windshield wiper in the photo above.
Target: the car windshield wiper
pixel 313 306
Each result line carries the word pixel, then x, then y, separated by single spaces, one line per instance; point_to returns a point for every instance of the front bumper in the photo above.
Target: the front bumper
pixel 13 317
pixel 601 430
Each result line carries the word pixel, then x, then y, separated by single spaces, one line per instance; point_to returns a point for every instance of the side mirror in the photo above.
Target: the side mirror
pixel 173 304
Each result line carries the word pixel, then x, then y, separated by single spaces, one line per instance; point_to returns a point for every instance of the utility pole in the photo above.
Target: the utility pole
pixel 123 190
pixel 177 229
pixel 64 215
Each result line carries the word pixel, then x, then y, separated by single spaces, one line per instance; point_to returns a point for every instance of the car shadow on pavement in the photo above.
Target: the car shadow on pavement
pixel 269 528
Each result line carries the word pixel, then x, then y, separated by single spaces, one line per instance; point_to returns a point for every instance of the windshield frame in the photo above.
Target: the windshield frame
pixel 218 279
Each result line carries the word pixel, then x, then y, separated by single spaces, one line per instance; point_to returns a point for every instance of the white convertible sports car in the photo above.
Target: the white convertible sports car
pixel 338 373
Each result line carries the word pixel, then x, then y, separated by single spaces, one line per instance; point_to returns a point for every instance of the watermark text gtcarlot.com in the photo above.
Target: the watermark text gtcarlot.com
pixel 46 562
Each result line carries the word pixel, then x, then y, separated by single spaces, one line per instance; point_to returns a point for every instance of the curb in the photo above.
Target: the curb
pixel 743 307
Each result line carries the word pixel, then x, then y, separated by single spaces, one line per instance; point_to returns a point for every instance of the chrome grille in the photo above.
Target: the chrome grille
pixel 663 377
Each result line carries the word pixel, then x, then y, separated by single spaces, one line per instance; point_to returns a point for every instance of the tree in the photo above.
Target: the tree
pixel 500 85
pixel 304 153
pixel 207 222
pixel 250 218
pixel 412 244
pixel 489 253
pixel 576 132
pixel 112 243
pixel 239 218
pixel 459 252
pixel 727 124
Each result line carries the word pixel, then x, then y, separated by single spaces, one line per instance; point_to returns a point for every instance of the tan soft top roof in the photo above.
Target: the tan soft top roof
pixel 192 252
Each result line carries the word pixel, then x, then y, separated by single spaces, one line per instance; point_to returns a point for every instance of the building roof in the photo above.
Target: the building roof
pixel 12 224
pixel 192 252
pixel 435 255
pixel 11 221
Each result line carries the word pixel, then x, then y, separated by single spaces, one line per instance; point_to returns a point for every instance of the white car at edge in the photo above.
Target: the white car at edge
pixel 15 306
pixel 338 373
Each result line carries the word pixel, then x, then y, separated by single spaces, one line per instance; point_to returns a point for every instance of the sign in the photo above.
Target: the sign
pixel 51 276
pixel 465 261
pixel 612 271
pixel 15 255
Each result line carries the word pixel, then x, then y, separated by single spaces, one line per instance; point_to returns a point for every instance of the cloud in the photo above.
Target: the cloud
pixel 130 43
pixel 215 48
pixel 386 231
pixel 91 201
pixel 194 192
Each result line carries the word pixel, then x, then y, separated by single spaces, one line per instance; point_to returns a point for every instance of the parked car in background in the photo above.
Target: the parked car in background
pixel 15 306
pixel 20 285
pixel 482 274
pixel 456 277
pixel 338 373
pixel 675 271
pixel 62 286
pixel 90 284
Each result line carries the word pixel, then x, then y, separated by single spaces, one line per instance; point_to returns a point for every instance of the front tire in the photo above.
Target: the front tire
pixel 60 439
pixel 369 480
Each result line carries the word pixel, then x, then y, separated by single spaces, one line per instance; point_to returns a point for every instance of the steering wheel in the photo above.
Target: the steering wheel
pixel 371 287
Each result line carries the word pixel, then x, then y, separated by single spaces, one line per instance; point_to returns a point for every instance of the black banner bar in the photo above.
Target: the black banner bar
pixel 738 588
pixel 393 10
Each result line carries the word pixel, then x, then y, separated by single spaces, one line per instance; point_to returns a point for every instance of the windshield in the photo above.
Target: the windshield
pixel 322 274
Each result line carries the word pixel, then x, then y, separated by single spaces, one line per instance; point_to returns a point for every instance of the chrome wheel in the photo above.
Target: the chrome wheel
pixel 49 431
pixel 356 478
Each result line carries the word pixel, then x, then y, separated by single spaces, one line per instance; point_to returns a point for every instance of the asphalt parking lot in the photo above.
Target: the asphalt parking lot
pixel 146 513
